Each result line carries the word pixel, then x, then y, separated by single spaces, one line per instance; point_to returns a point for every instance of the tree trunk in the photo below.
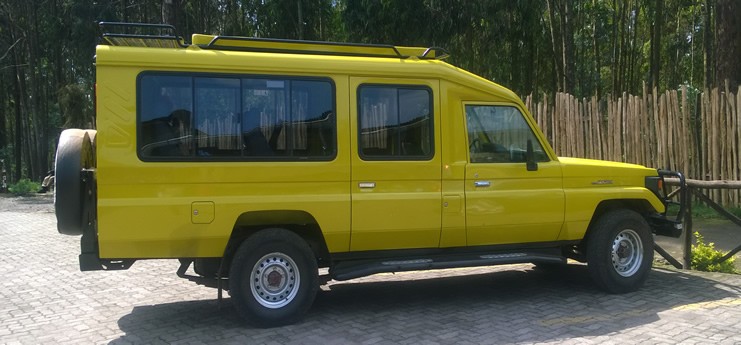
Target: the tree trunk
pixel 300 21
pixel 167 12
pixel 557 50
pixel 597 67
pixel 620 58
pixel 37 135
pixel 655 66
pixel 615 43
pixel 17 147
pixel 528 37
pixel 567 34
pixel 4 135
pixel 728 19
pixel 708 55
pixel 676 78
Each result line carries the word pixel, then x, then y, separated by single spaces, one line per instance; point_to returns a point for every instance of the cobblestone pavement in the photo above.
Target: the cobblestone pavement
pixel 45 299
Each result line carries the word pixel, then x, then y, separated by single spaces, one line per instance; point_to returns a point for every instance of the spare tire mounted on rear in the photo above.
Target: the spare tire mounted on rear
pixel 74 153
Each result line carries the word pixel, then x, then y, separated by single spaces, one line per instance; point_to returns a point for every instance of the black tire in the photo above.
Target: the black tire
pixel 620 251
pixel 273 249
pixel 74 153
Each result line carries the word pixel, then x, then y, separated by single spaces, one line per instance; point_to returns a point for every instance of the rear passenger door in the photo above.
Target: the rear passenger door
pixel 396 173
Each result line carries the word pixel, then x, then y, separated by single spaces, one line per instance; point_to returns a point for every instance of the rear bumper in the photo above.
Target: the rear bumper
pixel 661 223
pixel 89 254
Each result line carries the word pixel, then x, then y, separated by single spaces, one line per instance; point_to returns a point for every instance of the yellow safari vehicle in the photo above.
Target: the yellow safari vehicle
pixel 260 161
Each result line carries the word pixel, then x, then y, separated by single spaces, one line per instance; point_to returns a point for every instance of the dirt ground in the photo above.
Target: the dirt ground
pixel 28 204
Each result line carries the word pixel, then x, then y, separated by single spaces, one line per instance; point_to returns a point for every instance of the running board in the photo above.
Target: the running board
pixel 355 269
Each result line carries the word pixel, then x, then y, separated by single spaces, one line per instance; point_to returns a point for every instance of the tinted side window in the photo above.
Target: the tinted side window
pixel 265 118
pixel 165 107
pixel 288 118
pixel 499 134
pixel 236 118
pixel 395 123
pixel 218 107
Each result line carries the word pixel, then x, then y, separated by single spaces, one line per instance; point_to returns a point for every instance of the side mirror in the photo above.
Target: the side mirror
pixel 532 164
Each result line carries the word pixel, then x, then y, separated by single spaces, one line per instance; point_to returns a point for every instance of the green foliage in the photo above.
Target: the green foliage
pixel 701 211
pixel 703 255
pixel 75 106
pixel 23 187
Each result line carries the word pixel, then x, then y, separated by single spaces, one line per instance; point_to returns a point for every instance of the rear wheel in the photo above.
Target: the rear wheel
pixel 273 278
pixel 620 251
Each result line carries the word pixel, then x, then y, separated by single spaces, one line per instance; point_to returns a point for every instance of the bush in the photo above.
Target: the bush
pixel 23 187
pixel 703 255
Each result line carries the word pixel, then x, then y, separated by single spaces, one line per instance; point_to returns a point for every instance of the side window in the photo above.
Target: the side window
pixel 165 107
pixel 265 118
pixel 395 123
pixel 217 117
pixel 234 117
pixel 499 134
pixel 288 118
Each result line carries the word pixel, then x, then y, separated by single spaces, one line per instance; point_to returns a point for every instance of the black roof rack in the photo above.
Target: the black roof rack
pixel 171 40
pixel 270 45
pixel 167 37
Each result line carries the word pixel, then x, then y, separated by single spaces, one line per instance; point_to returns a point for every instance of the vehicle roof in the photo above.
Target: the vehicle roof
pixel 291 57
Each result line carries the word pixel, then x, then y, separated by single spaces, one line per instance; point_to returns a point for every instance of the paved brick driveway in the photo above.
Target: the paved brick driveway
pixel 45 299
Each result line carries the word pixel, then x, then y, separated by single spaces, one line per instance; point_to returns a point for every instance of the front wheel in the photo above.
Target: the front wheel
pixel 273 278
pixel 620 251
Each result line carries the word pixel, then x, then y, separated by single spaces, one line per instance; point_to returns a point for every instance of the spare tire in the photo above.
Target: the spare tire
pixel 74 153
pixel 93 134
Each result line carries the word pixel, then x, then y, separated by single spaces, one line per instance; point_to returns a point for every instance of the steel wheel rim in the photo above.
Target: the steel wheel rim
pixel 275 280
pixel 627 253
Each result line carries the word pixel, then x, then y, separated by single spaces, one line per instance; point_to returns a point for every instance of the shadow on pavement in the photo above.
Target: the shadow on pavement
pixel 513 306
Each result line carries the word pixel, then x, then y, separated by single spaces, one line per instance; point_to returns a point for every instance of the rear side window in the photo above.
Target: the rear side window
pixel 395 122
pixel 233 117
pixel 165 116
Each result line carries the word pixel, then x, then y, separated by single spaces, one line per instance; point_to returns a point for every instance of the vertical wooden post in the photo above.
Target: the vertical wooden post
pixel 715 155
pixel 687 248
pixel 730 139
pixel 738 134
pixel 658 157
pixel 668 121
pixel 686 135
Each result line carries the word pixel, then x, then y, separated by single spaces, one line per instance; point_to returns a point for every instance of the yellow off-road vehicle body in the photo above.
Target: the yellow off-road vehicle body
pixel 260 161
pixel 189 208
pixel 360 158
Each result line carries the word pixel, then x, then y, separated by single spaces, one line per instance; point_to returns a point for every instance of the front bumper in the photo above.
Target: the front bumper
pixel 661 223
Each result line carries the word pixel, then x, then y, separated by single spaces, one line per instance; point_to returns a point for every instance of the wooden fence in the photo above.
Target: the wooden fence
pixel 699 136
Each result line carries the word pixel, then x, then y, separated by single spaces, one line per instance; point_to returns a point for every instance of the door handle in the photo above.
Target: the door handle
pixel 367 185
pixel 481 183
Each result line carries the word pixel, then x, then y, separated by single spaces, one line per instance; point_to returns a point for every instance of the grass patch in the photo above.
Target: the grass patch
pixel 702 211
pixel 24 187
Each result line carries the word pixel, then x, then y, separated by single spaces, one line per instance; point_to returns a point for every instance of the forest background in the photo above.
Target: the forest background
pixel 584 48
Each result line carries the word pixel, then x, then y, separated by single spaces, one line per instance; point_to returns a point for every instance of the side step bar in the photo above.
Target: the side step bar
pixel 355 269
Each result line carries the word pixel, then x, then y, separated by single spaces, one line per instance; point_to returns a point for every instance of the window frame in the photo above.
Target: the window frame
pixel 396 87
pixel 528 120
pixel 238 76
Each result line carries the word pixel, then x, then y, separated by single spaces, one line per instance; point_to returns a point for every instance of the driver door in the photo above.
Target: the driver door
pixel 506 203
